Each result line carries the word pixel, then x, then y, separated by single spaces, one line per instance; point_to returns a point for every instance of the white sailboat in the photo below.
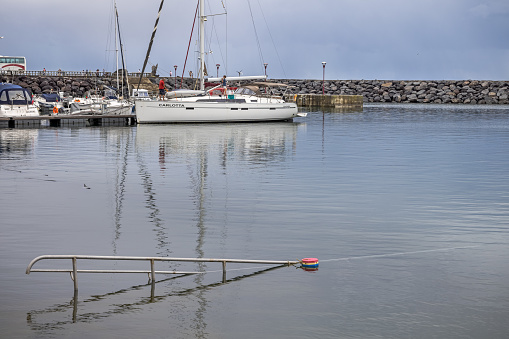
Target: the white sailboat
pixel 111 101
pixel 246 104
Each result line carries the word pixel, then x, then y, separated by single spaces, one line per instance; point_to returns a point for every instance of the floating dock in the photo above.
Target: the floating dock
pixel 68 120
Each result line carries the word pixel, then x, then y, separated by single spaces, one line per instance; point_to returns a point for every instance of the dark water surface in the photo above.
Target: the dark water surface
pixel 407 208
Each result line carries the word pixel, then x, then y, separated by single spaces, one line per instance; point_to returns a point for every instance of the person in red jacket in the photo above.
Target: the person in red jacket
pixel 162 89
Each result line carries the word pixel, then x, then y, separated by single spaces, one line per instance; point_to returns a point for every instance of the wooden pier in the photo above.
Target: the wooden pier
pixel 68 120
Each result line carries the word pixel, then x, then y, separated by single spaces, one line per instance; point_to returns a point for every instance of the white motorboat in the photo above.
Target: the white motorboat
pixel 16 101
pixel 100 106
pixel 107 104
pixel 243 105
pixel 47 103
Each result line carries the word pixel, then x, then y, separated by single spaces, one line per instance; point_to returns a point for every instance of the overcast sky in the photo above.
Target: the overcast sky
pixel 359 39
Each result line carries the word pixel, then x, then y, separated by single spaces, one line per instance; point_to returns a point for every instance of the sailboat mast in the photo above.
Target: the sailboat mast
pixel 125 78
pixel 116 47
pixel 203 18
pixel 150 44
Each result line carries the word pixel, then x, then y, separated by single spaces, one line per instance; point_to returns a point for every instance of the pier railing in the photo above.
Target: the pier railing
pixel 151 260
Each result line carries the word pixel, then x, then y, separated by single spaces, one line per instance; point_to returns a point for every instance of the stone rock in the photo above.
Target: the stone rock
pixel 412 98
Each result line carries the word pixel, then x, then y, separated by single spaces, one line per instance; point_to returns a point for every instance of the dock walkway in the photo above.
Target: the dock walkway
pixel 68 120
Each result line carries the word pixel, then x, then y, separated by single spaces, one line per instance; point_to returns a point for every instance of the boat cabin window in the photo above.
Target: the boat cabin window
pixel 15 97
pixel 140 94
pixel 244 91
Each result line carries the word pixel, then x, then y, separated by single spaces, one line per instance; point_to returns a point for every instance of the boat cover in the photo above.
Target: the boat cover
pixel 51 97
pixel 14 94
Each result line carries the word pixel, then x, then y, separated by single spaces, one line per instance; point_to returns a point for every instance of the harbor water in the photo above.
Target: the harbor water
pixel 405 206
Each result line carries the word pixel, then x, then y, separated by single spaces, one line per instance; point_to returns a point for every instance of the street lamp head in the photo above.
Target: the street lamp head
pixel 323 63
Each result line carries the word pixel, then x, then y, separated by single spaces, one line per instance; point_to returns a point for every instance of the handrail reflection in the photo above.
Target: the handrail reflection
pixel 116 308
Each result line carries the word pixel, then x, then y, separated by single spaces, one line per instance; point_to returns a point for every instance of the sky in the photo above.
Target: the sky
pixel 358 39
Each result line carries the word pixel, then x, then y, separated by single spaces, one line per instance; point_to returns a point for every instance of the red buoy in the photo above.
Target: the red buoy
pixel 309 262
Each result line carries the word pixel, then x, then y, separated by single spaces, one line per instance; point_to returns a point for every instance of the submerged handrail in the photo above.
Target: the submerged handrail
pixel 152 272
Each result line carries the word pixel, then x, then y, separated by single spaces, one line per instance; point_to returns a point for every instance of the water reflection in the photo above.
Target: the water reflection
pixel 59 314
pixel 121 152
pixel 17 141
pixel 198 145
pixel 255 143
pixel 151 204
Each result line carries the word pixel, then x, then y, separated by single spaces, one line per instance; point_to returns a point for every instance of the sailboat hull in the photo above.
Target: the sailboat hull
pixel 153 112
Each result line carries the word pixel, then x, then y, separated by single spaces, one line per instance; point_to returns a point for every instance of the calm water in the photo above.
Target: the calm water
pixel 407 208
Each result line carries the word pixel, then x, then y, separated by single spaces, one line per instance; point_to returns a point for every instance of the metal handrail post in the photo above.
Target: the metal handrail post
pixel 152 272
pixel 224 272
pixel 75 273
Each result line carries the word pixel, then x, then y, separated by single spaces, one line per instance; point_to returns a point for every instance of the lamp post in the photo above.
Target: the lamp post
pixel 217 67
pixel 265 65
pixel 323 81
pixel 175 66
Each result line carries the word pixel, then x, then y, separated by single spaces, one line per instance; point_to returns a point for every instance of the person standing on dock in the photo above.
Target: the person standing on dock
pixel 161 89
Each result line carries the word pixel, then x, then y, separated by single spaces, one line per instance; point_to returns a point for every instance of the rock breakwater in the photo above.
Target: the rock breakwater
pixel 438 92
pixel 70 86
pixel 81 86
pixel 414 91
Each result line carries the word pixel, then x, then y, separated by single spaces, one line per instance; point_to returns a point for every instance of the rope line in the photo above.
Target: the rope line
pixel 347 258
pixel 272 39
pixel 398 254
pixel 256 35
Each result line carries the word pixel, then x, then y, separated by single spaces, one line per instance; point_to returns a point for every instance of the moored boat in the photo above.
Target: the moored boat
pixel 243 105
pixel 48 102
pixel 16 101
